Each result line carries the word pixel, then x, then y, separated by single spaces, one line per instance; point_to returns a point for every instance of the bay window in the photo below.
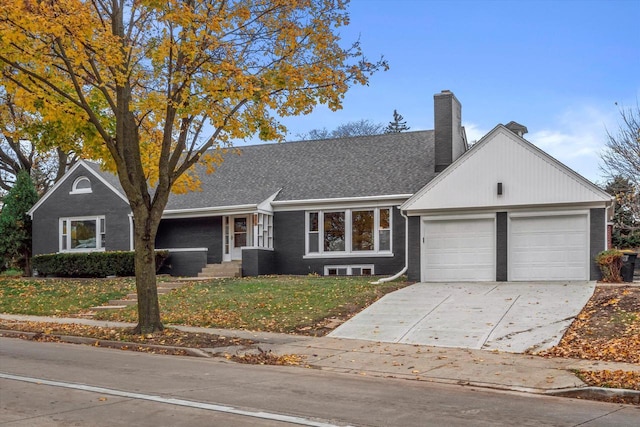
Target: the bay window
pixel 348 231
pixel 82 234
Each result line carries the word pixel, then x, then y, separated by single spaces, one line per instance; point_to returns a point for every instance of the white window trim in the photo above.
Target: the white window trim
pixel 348 234
pixel 350 268
pixel 98 219
pixel 263 230
pixel 76 190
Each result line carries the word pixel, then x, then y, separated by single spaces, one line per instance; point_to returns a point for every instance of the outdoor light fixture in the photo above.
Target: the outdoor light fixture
pixel 499 189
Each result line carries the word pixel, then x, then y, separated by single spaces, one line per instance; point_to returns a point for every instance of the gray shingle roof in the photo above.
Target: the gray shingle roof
pixel 388 164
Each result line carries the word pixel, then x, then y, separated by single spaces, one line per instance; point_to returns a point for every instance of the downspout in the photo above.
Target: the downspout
pixel 406 254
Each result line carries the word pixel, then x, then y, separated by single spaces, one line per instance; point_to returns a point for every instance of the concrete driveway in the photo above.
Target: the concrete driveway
pixel 506 316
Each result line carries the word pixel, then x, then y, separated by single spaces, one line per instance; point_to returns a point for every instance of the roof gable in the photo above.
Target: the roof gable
pixel 71 172
pixel 528 175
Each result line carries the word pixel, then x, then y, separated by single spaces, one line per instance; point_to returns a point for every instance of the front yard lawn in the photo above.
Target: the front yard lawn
pixel 298 304
pixel 59 297
pixel 293 304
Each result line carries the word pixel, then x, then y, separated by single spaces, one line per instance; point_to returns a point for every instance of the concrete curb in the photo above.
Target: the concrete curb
pixel 598 393
pixel 122 345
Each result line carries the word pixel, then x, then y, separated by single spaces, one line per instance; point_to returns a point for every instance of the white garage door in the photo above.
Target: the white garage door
pixel 549 248
pixel 458 250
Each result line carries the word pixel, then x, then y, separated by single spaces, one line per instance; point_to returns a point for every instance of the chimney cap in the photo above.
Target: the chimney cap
pixel 517 128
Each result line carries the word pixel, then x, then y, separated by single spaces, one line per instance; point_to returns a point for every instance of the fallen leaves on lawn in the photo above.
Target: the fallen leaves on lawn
pixel 167 337
pixel 611 379
pixel 608 328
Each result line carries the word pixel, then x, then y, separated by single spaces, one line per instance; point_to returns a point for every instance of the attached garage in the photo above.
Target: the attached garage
pixel 548 247
pixel 458 249
pixel 506 210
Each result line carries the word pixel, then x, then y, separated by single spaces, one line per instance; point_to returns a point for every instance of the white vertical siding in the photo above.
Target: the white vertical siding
pixel 528 177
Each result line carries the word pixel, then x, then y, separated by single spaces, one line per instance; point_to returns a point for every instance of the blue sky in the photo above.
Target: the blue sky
pixel 558 67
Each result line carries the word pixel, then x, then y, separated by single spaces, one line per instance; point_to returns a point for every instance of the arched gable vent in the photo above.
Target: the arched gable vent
pixel 81 185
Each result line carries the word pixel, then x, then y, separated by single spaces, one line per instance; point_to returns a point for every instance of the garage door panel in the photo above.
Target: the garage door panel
pixel 548 248
pixel 459 250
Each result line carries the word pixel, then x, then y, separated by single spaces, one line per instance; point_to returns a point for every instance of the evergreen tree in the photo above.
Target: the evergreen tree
pixel 397 125
pixel 626 215
pixel 15 224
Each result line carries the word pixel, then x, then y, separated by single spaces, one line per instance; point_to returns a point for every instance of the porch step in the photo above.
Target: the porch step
pixel 225 269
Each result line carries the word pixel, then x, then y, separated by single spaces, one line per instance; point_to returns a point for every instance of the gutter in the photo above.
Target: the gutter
pixel 406 255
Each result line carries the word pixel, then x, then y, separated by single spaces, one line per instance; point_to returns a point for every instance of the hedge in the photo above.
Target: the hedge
pixel 91 264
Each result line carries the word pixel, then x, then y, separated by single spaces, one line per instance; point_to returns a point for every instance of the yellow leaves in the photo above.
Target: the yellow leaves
pixel 608 328
pixel 230 64
pixel 612 379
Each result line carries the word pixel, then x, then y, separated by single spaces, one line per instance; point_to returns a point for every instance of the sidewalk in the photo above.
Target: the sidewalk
pixel 482 368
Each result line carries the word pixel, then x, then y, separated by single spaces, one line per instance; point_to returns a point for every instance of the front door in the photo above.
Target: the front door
pixel 237 233
pixel 239 236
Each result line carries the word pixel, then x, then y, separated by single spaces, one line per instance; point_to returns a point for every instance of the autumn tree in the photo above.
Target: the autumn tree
pixel 362 127
pixel 21 131
pixel 15 224
pixel 167 84
pixel 621 156
pixel 397 125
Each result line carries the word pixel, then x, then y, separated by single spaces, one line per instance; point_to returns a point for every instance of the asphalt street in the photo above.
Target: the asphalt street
pixel 63 384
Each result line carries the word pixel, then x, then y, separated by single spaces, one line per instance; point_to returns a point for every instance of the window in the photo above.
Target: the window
pixel 384 230
pixel 348 270
pixel 81 185
pixel 349 231
pixel 334 235
pixel 313 232
pixel 82 234
pixel 264 230
pixel 362 231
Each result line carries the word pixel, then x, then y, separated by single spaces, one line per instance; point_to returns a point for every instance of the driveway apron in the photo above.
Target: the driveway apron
pixel 505 316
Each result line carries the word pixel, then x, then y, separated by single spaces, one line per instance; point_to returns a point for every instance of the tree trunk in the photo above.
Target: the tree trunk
pixel 147 290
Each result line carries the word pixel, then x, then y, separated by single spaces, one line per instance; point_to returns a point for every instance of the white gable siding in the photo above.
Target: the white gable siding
pixel 528 176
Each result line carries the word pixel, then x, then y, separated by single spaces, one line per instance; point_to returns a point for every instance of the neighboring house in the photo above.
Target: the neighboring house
pixel 420 203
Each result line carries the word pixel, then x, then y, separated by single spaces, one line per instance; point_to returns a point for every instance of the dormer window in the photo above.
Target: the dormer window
pixel 81 185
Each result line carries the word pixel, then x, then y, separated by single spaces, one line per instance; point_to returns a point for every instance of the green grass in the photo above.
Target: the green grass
pixel 270 303
pixel 12 272
pixel 58 297
pixel 273 303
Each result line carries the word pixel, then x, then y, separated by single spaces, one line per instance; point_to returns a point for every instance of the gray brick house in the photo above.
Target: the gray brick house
pixel 419 203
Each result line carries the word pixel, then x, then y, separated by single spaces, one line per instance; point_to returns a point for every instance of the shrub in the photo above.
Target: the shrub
pixel 91 264
pixel 610 263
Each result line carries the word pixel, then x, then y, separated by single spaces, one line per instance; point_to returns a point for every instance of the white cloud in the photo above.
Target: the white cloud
pixel 474 132
pixel 577 139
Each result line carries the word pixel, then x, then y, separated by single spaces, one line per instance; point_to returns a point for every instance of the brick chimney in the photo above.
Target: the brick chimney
pixel 450 138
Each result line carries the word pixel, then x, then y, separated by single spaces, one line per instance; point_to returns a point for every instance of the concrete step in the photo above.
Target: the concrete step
pixel 122 302
pixel 108 307
pixel 225 269
pixel 170 285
